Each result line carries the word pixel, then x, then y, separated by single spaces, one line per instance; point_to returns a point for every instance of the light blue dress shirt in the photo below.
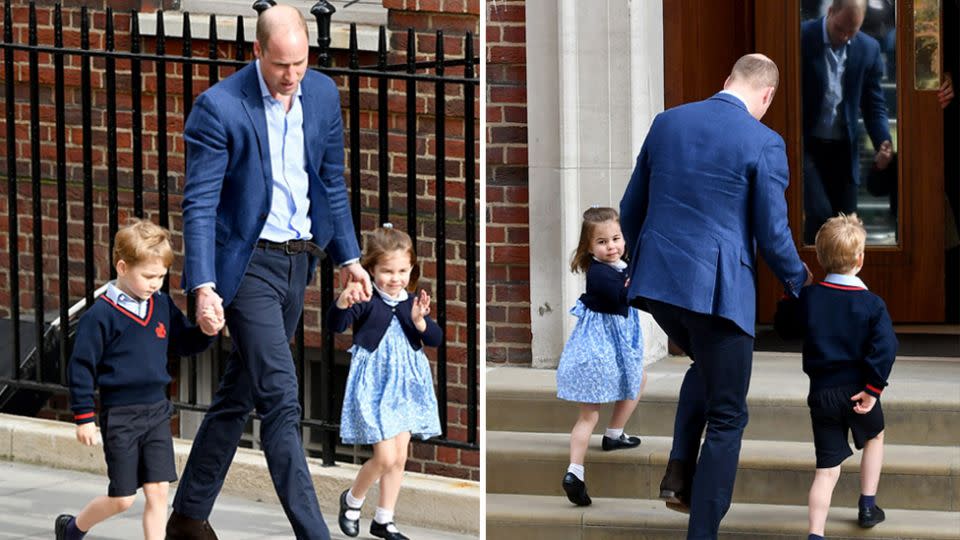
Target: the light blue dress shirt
pixel 122 299
pixel 831 124
pixel 289 217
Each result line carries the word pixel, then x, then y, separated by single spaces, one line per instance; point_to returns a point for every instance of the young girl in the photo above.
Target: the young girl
pixel 602 360
pixel 389 394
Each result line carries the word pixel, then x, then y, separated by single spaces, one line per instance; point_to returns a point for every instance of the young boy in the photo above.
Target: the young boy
pixel 121 347
pixel 848 352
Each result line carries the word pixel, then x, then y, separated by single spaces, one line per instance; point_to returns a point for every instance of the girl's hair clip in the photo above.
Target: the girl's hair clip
pixel 387 225
pixel 594 206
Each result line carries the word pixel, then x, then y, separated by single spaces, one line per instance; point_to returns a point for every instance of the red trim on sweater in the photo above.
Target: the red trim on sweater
pixel 841 287
pixel 874 389
pixel 83 416
pixel 128 313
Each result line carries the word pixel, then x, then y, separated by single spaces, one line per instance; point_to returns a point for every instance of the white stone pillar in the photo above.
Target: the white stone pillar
pixel 594 83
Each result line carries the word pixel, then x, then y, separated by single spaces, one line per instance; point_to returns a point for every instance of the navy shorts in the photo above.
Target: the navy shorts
pixel 832 415
pixel 138 446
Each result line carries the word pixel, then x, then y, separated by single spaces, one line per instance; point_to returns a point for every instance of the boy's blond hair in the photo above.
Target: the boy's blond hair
pixel 840 241
pixel 140 241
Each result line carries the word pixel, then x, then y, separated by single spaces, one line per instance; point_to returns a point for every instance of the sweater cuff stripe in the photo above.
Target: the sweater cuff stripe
pixel 874 389
pixel 83 416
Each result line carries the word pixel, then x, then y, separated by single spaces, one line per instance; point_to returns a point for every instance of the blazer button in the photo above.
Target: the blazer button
pixel 263 216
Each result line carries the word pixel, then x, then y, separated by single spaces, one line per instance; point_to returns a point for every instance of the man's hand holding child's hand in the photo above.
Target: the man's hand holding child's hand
pixel 211 321
pixel 351 294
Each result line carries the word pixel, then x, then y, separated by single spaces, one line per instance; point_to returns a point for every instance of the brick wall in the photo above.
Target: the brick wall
pixel 425 458
pixel 508 253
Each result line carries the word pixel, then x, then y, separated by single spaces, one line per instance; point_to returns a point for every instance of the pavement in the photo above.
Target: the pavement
pixel 32 496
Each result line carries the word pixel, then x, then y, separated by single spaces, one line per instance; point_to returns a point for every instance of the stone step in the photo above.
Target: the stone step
pixel 532 517
pixel 921 406
pixel 773 472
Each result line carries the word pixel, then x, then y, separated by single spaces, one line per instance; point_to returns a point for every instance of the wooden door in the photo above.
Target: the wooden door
pixel 909 275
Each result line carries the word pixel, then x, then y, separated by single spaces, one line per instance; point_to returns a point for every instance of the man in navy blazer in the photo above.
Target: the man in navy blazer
pixel 264 193
pixel 842 69
pixel 706 193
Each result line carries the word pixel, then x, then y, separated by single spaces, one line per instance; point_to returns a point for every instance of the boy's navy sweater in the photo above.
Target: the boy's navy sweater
pixel 373 318
pixel 847 332
pixel 126 356
pixel 606 291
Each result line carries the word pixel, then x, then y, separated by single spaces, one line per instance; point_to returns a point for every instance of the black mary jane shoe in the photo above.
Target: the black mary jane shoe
pixel 868 517
pixel 609 443
pixel 382 530
pixel 349 527
pixel 576 490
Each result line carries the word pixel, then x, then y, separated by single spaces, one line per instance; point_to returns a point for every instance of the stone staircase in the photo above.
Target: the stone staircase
pixel 527 454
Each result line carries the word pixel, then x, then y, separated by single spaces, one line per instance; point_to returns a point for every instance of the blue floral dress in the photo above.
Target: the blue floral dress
pixel 389 391
pixel 603 359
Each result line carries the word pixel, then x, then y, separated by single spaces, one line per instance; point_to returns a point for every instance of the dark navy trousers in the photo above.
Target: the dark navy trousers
pixel 713 394
pixel 260 374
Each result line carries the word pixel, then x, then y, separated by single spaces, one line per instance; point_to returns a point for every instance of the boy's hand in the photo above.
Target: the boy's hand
pixel 88 433
pixel 208 298
pixel 865 402
pixel 420 309
pixel 211 322
pixel 351 294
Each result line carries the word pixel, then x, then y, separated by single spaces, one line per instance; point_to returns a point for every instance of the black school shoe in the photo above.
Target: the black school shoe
pixel 349 527
pixel 380 530
pixel 60 526
pixel 576 490
pixel 868 517
pixel 610 443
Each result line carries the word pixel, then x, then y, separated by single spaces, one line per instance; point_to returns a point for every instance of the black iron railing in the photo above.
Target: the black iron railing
pixel 42 371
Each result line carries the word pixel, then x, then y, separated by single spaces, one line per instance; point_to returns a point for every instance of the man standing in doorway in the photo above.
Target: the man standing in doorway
pixel 707 191
pixel 264 193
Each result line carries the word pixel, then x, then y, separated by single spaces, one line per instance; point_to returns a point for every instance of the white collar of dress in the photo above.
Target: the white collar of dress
pixel 391 300
pixel 618 264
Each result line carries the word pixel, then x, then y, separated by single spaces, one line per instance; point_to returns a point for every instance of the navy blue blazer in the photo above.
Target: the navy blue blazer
pixel 706 192
pixel 606 291
pixel 847 333
pixel 861 87
pixel 229 181
pixel 373 318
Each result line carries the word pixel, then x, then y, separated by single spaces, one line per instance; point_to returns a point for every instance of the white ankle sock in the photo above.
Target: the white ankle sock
pixel 614 433
pixel 577 471
pixel 353 502
pixel 384 516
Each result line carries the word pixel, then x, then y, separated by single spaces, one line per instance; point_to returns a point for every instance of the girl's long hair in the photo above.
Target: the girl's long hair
pixel 591 218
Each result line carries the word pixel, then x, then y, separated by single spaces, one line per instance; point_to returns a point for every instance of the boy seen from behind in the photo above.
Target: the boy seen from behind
pixel 848 351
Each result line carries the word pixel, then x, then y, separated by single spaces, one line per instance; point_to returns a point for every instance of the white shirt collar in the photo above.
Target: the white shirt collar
pixel 126 301
pixel 736 95
pixel 619 264
pixel 264 91
pixel 843 279
pixel 390 300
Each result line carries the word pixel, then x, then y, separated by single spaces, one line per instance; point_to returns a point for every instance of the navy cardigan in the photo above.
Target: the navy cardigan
pixel 606 291
pixel 847 332
pixel 373 318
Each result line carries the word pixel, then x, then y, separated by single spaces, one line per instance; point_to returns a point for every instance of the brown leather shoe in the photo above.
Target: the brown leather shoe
pixel 675 486
pixel 180 527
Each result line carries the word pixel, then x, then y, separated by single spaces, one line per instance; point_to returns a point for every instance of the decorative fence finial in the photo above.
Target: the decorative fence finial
pixel 323 11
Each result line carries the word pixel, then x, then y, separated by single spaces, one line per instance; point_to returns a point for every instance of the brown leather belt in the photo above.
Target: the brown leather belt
pixel 293 247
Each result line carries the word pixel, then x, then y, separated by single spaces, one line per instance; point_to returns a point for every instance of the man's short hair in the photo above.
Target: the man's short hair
pixel 838 5
pixel 141 241
pixel 268 24
pixel 840 241
pixel 757 70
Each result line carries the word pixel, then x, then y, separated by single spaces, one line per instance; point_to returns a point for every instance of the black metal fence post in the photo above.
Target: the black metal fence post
pixel 323 11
